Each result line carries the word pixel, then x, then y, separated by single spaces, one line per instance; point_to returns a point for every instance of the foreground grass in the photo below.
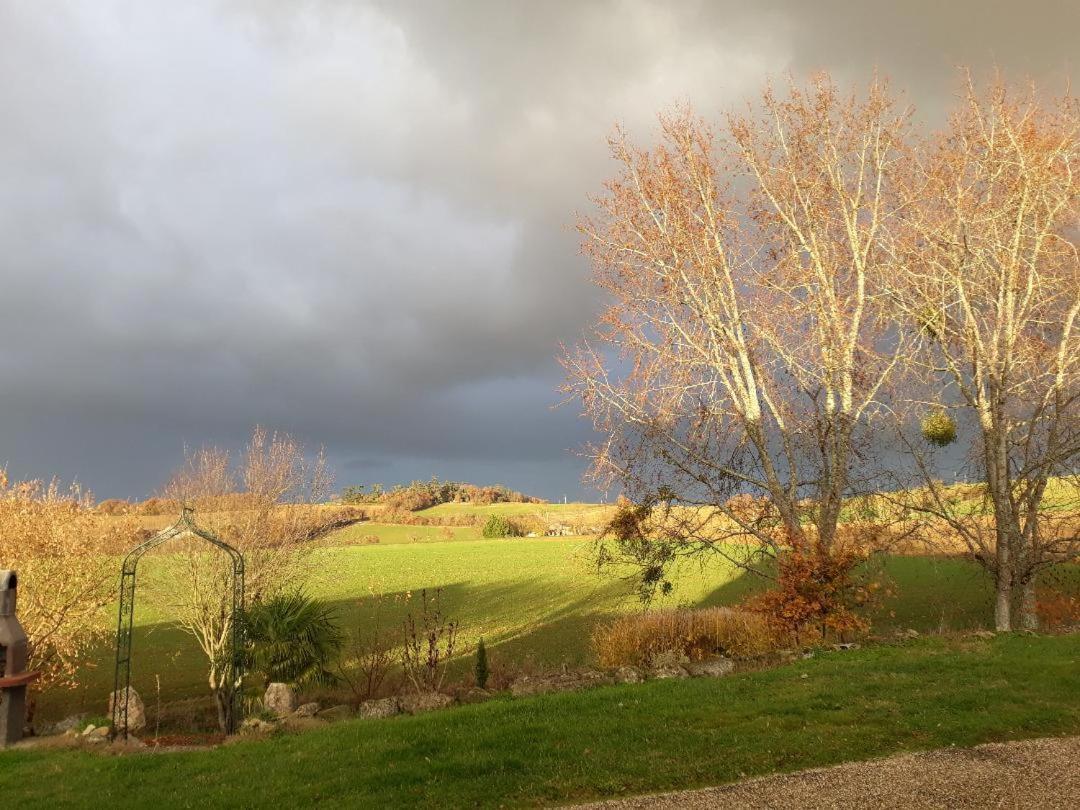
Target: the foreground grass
pixel 613 741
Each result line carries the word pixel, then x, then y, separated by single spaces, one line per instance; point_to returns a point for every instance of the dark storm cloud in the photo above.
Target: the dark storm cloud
pixel 351 221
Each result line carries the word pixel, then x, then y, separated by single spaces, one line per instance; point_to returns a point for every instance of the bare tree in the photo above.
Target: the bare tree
pixel 269 510
pixel 989 278
pixel 746 345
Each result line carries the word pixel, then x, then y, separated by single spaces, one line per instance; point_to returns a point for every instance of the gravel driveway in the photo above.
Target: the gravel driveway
pixel 1040 774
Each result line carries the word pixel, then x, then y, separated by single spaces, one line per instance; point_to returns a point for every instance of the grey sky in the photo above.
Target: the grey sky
pixel 351 220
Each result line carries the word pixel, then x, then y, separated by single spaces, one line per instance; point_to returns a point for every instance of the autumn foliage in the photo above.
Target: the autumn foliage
pixel 52 536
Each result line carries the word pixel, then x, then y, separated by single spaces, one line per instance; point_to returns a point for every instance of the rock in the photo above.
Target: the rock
pixel 909 633
pixel 667 671
pixel 335 713
pixel 307 710
pixel 846 646
pixel 628 675
pixel 280 699
pixel 136 711
pixel 68 724
pixel 715 668
pixel 475 695
pixel 985 634
pixel 414 704
pixel 564 681
pixel 96 734
pixel 254 725
pixel 88 730
pixel 374 709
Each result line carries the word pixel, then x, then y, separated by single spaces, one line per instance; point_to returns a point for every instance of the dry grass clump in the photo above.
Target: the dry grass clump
pixel 638 639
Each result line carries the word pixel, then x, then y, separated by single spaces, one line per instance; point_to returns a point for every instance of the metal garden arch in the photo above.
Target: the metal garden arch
pixel 121 691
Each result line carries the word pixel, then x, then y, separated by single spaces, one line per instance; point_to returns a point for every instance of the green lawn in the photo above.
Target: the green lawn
pixel 612 741
pixel 390 533
pixel 529 598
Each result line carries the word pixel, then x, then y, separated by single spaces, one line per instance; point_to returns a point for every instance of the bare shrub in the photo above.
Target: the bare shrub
pixel 59 546
pixel 429 644
pixel 370 652
pixel 639 639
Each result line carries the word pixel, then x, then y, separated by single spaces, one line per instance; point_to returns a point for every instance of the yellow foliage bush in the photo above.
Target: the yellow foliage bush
pixel 53 537
pixel 638 639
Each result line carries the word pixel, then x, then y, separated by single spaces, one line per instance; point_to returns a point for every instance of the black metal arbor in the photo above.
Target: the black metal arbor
pixel 121 691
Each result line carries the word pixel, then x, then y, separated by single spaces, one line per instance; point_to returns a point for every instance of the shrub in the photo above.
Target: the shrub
pixel 429 644
pixel 481 669
pixel 60 546
pixel 816 592
pixel 113 506
pixel 641 639
pixel 293 639
pixel 500 526
pixel 1057 609
pixel 939 428
pixel 370 654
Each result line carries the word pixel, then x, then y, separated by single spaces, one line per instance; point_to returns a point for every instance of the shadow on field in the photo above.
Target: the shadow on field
pixel 535 621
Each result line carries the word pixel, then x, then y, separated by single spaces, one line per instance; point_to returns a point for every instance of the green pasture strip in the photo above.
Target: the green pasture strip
pixel 613 741
pixel 537 599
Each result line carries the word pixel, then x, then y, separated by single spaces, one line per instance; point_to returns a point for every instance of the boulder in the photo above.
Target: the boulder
pixel 68 724
pixel 335 713
pixel 666 671
pixel 713 668
pixel 628 675
pixel 984 634
pixel 475 695
pixel 426 702
pixel 96 734
pixel 565 681
pixel 254 725
pixel 136 711
pixel 375 709
pixel 280 699
pixel 307 710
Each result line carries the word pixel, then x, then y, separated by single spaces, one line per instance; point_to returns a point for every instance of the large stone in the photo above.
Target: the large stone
pixel 667 671
pixel 307 710
pixel 254 725
pixel 375 709
pixel 565 681
pixel 714 668
pixel 475 695
pixel 136 711
pixel 426 702
pixel 628 675
pixel 335 713
pixel 280 699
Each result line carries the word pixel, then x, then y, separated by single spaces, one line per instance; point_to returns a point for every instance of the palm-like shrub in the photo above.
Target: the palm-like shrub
pixel 292 638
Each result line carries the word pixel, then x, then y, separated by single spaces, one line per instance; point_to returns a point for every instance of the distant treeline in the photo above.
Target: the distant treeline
pixel 425 494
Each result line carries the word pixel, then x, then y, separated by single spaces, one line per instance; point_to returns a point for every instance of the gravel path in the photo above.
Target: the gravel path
pixel 1041 774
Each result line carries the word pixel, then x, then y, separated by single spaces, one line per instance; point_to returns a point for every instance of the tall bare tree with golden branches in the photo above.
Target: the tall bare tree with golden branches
pixel 747 341
pixel 988 275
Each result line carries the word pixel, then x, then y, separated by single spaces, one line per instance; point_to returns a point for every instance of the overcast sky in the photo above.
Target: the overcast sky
pixel 351 221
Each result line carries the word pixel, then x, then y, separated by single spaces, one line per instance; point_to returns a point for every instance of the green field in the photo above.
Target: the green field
pixel 531 599
pixel 661 735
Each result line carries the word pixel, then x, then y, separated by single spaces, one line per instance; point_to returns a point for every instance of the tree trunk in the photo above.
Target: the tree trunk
pixel 1029 617
pixel 1002 620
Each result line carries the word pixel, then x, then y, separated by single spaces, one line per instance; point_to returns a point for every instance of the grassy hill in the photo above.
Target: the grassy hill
pixel 531 599
pixel 611 741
